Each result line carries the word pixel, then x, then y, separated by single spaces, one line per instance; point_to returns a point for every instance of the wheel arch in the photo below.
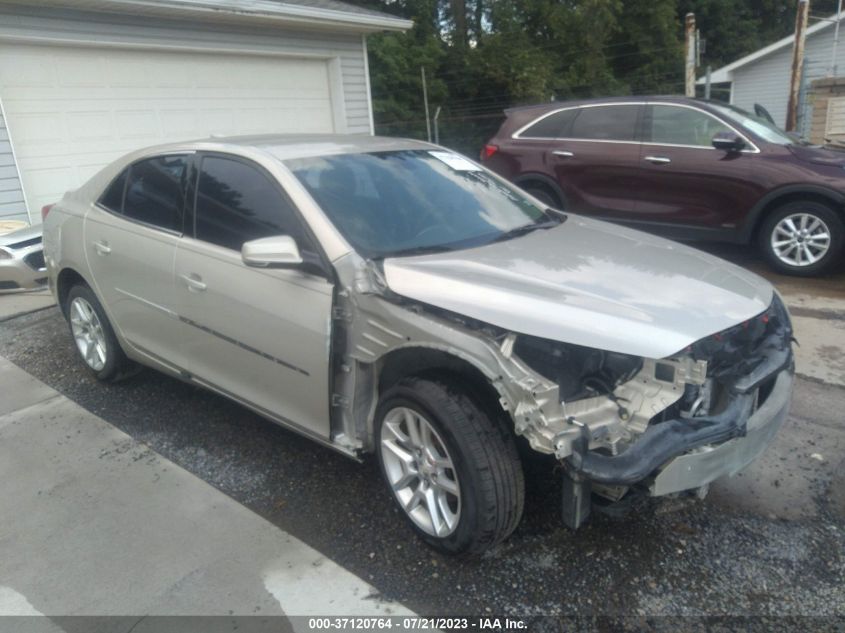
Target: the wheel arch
pixel 784 195
pixel 529 178
pixel 65 280
pixel 426 361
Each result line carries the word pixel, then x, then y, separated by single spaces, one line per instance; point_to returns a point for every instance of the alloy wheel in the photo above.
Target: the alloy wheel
pixel 420 471
pixel 88 333
pixel 800 239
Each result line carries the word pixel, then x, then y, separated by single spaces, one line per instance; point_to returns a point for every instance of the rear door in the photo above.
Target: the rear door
pixel 596 158
pixel 130 244
pixel 682 178
pixel 259 335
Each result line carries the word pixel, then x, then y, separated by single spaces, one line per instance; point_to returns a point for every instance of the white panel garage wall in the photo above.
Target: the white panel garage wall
pixel 74 109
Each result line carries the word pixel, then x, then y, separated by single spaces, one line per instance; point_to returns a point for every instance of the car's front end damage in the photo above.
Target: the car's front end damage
pixel 622 423
pixel 680 422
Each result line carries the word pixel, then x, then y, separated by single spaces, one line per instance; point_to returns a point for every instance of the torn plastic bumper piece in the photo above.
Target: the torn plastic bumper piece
pixel 660 443
pixel 666 440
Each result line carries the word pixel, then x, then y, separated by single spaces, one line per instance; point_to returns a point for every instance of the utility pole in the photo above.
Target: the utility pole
pixel 425 101
pixel 690 54
pixel 707 82
pixel 797 64
pixel 833 64
pixel 436 126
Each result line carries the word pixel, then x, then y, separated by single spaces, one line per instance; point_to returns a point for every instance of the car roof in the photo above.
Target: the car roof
pixel 556 105
pixel 291 146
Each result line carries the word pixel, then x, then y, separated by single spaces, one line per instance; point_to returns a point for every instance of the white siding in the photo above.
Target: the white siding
pixel 766 80
pixel 12 205
pixel 78 26
pixel 337 60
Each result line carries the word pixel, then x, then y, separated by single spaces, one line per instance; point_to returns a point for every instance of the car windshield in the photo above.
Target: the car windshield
pixel 415 201
pixel 763 128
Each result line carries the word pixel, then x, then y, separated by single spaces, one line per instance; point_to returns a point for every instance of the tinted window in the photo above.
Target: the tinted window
pixel 237 203
pixel 606 123
pixel 155 192
pixel 112 197
pixel 411 201
pixel 673 125
pixel 553 126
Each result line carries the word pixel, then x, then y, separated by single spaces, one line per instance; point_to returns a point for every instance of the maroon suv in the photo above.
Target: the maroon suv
pixel 688 168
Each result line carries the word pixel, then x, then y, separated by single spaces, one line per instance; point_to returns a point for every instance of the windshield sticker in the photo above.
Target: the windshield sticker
pixel 455 161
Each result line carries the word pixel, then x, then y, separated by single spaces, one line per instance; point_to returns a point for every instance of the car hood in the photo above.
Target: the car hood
pixel 589 283
pixel 20 235
pixel 818 155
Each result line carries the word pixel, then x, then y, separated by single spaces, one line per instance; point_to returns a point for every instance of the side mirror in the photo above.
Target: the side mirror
pixel 279 251
pixel 728 142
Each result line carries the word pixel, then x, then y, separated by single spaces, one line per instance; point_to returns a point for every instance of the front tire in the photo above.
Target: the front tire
pixel 802 238
pixel 452 470
pixel 94 337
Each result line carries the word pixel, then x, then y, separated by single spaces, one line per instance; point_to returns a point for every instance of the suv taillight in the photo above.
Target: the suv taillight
pixel 488 150
pixel 45 210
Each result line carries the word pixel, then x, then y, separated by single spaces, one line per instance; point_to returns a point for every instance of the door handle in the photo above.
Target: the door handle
pixel 102 248
pixel 658 160
pixel 194 282
pixel 563 153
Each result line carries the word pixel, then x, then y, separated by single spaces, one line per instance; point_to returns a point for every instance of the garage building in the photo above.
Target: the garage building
pixel 83 82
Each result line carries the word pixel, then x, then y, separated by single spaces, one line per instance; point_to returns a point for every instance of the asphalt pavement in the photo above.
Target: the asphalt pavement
pixel 770 541
pixel 95 522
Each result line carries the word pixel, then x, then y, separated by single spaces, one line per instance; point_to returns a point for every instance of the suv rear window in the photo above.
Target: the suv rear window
pixel 554 125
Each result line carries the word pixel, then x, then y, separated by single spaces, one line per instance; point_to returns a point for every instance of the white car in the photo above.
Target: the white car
pixel 391 296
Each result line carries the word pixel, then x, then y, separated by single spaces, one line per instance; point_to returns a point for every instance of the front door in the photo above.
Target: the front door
pixel 259 335
pixel 683 179
pixel 130 244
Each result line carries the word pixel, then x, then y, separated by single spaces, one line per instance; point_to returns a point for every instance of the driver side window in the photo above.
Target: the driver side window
pixel 674 125
pixel 237 203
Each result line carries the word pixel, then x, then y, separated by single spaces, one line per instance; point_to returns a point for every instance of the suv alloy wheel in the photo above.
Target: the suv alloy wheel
pixel 802 238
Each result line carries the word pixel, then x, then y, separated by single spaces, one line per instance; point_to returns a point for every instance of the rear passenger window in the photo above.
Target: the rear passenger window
pixel 155 192
pixel 553 126
pixel 112 198
pixel 606 123
pixel 237 203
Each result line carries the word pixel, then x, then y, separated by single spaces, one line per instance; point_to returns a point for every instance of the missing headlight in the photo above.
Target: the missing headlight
pixel 580 372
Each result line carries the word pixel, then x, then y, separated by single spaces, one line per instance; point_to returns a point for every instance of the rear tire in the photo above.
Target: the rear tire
pixel 467 453
pixel 94 337
pixel 802 238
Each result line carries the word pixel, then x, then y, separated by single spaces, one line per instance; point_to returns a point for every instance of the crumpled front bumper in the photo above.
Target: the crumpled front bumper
pixel 688 452
pixel 707 464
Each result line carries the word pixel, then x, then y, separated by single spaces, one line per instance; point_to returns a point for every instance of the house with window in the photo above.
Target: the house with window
pixel 82 83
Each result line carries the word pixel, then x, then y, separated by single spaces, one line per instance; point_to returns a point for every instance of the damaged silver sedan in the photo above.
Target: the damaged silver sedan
pixel 392 297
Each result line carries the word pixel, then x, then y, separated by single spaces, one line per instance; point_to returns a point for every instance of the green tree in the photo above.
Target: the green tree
pixel 482 56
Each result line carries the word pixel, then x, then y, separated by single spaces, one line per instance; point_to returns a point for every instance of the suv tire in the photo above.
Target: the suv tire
pixel 457 478
pixel 803 238
pixel 94 337
pixel 545 195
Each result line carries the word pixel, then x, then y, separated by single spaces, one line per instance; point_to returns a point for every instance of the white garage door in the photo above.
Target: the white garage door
pixel 72 110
